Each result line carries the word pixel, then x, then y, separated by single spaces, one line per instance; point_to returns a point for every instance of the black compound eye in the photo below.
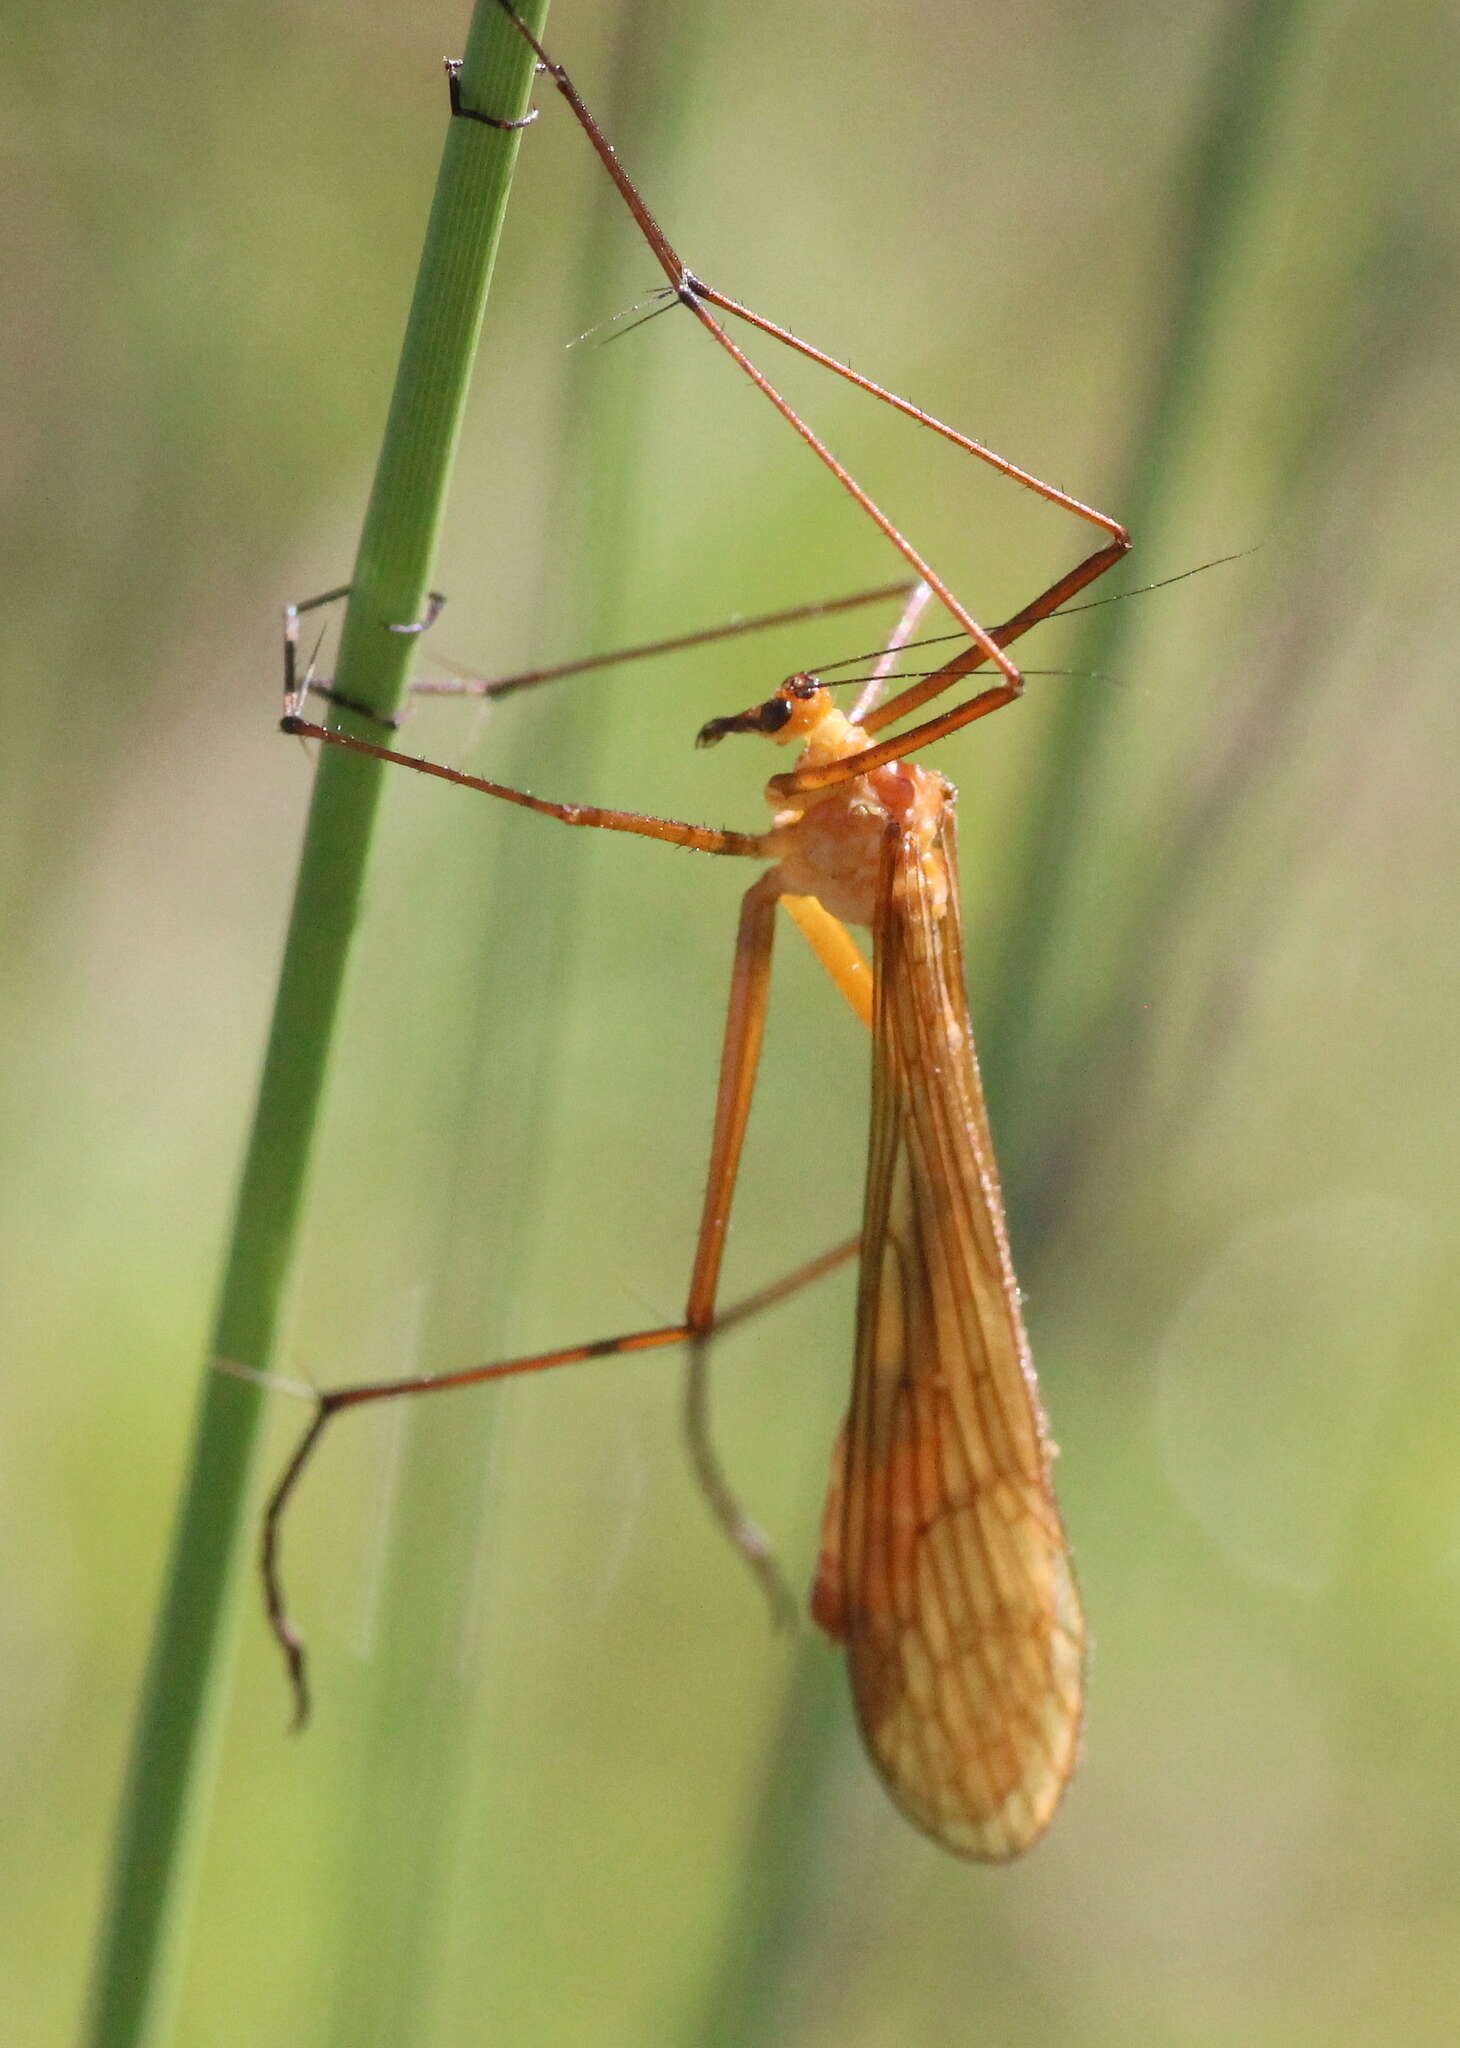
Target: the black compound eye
pixel 775 714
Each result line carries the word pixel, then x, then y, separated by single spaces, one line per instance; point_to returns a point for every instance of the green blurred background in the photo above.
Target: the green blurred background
pixel 564 1786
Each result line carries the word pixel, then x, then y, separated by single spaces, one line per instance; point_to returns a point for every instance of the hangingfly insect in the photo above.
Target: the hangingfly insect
pixel 944 1568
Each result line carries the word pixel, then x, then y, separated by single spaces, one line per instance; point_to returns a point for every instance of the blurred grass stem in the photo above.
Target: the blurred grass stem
pixel 1217 189
pixel 141 1948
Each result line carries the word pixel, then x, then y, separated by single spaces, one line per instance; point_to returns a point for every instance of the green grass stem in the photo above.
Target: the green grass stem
pixel 1220 183
pixel 142 1943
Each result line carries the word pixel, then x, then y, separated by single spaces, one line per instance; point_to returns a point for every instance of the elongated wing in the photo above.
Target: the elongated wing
pixel 944 1565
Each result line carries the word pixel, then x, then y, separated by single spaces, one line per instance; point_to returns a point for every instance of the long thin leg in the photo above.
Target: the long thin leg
pixel 1038 609
pixel 992 699
pixel 720 1497
pixel 736 1523
pixel 870 695
pixel 744 1031
pixel 698 296
pixel 840 955
pixel 505 686
pixel 739 1061
pixel 1013 470
pixel 701 838
pixel 986 646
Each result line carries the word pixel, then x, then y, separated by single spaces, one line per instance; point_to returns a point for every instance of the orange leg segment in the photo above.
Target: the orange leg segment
pixel 701 838
pixel 744 1031
pixel 699 297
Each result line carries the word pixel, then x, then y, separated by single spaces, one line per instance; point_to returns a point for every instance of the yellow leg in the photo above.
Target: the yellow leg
pixel 837 951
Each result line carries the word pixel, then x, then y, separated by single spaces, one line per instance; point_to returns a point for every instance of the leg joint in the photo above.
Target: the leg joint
pixel 461 112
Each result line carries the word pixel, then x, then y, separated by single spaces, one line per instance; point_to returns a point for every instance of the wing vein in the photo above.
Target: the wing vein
pixel 955 1592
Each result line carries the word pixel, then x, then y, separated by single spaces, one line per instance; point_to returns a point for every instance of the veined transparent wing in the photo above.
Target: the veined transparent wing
pixel 944 1563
